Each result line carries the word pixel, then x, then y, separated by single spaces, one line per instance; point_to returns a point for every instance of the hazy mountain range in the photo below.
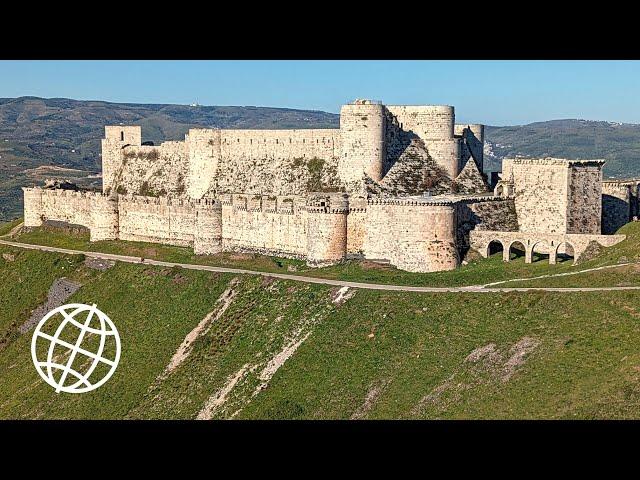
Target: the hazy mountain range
pixel 42 138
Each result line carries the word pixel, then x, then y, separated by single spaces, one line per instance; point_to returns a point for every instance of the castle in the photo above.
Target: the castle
pixel 396 184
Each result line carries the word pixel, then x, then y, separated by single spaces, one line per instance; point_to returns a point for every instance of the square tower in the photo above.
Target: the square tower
pixel 554 195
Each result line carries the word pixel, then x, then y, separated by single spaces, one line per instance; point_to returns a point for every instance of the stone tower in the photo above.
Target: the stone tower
pixel 327 228
pixel 115 139
pixel 362 131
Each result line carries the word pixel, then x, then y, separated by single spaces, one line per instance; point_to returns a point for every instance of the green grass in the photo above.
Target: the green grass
pixel 153 309
pixel 26 278
pixel 6 227
pixel 476 272
pixel 395 347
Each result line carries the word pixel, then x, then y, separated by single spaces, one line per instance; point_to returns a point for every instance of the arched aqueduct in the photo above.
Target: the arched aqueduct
pixel 546 243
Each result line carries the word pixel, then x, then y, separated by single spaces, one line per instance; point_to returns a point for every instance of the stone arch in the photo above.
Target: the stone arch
pixel 565 250
pixel 500 190
pixel 541 250
pixel 519 246
pixel 493 247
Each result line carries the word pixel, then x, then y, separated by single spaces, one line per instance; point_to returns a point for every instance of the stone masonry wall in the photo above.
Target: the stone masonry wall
pixel 556 195
pixel 411 234
pixel 584 209
pixel 619 204
pixel 541 192
pixel 273 225
pixel 154 170
pixel 356 226
pixel 93 210
pixel 483 213
pixel 157 220
pixel 434 124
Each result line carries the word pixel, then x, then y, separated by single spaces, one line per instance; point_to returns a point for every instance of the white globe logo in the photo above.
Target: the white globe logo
pixel 67 366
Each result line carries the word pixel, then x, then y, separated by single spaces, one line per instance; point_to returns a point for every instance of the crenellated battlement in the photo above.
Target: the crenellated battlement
pixel 556 161
pixel 59 192
pixel 426 202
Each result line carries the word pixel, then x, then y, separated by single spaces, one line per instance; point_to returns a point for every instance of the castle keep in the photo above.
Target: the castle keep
pixel 396 184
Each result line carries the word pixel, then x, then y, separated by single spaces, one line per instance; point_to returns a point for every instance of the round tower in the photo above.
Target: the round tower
pixel 362 131
pixel 430 244
pixel 327 228
pixel 207 239
pixel 475 142
pixel 433 122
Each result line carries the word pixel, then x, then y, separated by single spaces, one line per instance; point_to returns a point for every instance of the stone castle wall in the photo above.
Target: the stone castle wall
pixel 483 213
pixel 540 192
pixel 214 161
pixel 584 205
pixel 157 220
pixel 556 196
pixel 266 224
pixel 323 228
pixel 434 124
pixel 93 210
pixel 619 204
pixel 413 235
pixel 210 162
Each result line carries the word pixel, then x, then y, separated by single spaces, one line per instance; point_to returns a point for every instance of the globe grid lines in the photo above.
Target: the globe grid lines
pixel 107 328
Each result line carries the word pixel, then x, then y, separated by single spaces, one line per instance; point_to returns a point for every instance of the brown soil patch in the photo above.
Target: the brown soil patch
pixel 371 398
pixel 239 256
pixel 98 263
pixel 369 265
pixel 180 279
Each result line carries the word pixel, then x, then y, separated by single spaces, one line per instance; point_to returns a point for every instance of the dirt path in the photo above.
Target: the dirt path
pixel 325 281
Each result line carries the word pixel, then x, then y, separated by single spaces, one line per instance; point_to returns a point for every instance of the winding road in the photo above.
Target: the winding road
pixel 488 288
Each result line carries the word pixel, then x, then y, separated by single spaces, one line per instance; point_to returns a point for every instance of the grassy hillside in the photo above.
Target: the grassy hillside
pixel 617 143
pixel 266 348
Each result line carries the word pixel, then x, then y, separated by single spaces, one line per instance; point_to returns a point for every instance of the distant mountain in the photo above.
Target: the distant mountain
pixel 42 138
pixel 618 143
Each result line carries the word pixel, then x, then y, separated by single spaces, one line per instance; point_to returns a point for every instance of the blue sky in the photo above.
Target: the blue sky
pixel 490 92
